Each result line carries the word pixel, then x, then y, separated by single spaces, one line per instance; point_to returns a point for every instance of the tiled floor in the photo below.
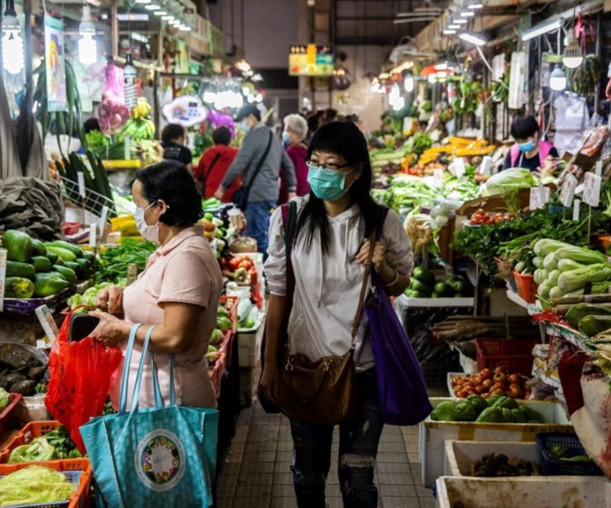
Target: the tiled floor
pixel 256 473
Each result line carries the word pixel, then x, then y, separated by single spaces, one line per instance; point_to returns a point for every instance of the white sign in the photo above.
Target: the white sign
pixel 103 219
pixel 47 322
pixel 591 189
pixel 567 192
pixel 599 168
pixel 437 177
pixel 186 110
pixel 486 166
pixel 459 167
pixel 81 184
pixel 93 235
pixel 576 209
pixel 539 196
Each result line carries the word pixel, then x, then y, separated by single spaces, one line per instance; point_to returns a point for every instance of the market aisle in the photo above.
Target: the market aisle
pixel 256 473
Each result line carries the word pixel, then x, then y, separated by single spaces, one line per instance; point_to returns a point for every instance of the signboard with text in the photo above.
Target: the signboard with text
pixel 311 60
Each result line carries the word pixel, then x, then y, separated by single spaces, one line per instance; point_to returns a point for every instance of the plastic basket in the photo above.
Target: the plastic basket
pixel 216 374
pixel 77 470
pixel 31 431
pixel 7 415
pixel 553 467
pixel 515 354
pixel 526 286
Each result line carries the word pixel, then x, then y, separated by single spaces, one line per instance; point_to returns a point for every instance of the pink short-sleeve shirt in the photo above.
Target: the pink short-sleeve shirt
pixel 184 270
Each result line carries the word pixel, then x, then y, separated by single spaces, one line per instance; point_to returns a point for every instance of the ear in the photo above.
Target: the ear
pixel 163 207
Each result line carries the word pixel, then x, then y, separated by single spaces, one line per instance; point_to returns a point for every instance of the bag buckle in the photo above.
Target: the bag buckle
pixel 289 367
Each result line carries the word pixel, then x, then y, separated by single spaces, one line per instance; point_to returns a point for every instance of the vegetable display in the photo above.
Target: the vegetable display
pixel 35 485
pixel 114 261
pixel 488 382
pixel 424 285
pixel 55 445
pixel 508 181
pixel 492 465
pixel 20 370
pixel 495 409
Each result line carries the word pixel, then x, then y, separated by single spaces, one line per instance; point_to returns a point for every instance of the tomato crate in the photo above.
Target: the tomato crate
pixel 76 470
pixel 7 415
pixel 515 354
pixel 31 431
pixel 555 467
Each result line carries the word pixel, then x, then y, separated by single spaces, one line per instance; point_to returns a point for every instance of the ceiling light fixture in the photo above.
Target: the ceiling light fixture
pixel 572 57
pixel 473 39
pixel 87 46
pixel 467 14
pixel 12 42
pixel 152 7
pixel 557 79
pixel 542 29
pixel 160 13
pixel 449 31
pixel 476 6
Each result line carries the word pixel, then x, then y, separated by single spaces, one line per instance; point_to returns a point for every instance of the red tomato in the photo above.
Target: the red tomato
pixel 513 378
pixel 487 383
pixel 485 374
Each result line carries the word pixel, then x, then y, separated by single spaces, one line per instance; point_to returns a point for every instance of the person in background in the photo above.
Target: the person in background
pixel 331 115
pixel 314 122
pixel 91 124
pixel 330 249
pixel 293 136
pixel 214 163
pixel 529 151
pixel 264 186
pixel 178 292
pixel 173 137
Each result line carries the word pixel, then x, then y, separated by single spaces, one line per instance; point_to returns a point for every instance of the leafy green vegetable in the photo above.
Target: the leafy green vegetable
pixel 114 261
pixel 62 443
pixel 509 181
pixel 4 399
pixel 34 485
pixel 38 450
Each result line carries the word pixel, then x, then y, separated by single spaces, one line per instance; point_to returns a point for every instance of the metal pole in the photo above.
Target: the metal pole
pixel 27 44
pixel 599 54
pixel 114 28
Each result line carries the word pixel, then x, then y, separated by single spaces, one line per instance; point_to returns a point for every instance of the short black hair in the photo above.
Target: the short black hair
pixel 221 136
pixel 313 122
pixel 172 131
pixel 171 181
pixel 248 110
pixel 524 127
pixel 91 124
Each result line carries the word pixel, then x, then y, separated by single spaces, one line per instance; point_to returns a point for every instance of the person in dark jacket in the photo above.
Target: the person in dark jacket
pixel 214 163
pixel 264 186
pixel 173 137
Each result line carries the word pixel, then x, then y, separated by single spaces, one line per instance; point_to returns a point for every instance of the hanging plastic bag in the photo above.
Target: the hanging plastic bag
pixel 80 375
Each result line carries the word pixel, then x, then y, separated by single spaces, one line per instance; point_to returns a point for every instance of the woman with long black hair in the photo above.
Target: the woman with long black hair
pixel 329 252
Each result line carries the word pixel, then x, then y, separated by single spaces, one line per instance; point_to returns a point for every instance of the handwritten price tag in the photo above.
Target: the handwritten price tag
pixel 437 177
pixel 576 209
pixel 459 167
pixel 539 196
pixel 591 189
pixel 81 184
pixel 568 190
pixel 93 235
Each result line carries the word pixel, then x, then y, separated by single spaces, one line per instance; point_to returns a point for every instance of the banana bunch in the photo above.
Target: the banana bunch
pixel 142 110
pixel 137 129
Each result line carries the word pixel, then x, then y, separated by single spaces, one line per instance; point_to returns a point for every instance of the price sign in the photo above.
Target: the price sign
pixel 539 196
pixel 47 322
pixel 599 168
pixel 81 184
pixel 103 219
pixel 576 209
pixel 93 235
pixel 486 166
pixel 567 192
pixel 459 167
pixel 591 189
pixel 437 177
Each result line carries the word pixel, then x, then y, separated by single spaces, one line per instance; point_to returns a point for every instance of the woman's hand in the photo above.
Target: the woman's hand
pixel 110 330
pixel 379 255
pixel 110 299
pixel 269 382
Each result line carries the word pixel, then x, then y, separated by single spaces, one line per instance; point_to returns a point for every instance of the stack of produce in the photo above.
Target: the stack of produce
pixel 35 486
pixel 424 285
pixel 114 261
pixel 488 382
pixel 55 445
pixel 42 269
pixel 564 270
pixel 457 147
pixel 495 409
pixel 20 371
pixel 224 326
pixel 86 301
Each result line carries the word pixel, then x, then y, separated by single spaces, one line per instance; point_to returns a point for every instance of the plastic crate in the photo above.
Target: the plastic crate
pixel 526 286
pixel 553 467
pixel 217 372
pixel 515 354
pixel 7 416
pixel 31 431
pixel 75 469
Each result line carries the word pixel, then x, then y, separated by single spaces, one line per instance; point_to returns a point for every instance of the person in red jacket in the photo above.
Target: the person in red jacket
pixel 214 163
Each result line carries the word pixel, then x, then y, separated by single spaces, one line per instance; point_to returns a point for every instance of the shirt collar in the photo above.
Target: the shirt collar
pixel 180 238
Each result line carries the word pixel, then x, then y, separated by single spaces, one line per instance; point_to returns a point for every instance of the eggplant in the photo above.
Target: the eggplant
pixel 15 378
pixel 36 373
pixel 27 387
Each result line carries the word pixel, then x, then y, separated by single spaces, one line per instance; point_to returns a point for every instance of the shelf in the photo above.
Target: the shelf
pixel 404 301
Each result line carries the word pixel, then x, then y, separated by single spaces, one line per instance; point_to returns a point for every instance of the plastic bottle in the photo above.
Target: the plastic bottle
pixel 130 91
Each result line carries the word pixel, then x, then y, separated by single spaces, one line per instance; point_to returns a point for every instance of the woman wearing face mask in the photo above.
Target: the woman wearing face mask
pixel 330 248
pixel 529 151
pixel 178 291
pixel 293 136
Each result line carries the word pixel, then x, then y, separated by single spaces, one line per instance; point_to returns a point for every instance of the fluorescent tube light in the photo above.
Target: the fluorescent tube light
pixel 541 29
pixel 473 39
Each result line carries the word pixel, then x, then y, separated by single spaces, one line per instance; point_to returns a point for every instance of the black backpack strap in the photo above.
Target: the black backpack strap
pixel 207 174
pixel 258 168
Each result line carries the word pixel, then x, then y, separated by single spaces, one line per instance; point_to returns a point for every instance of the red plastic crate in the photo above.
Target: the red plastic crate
pixel 8 414
pixel 81 497
pixel 31 431
pixel 515 354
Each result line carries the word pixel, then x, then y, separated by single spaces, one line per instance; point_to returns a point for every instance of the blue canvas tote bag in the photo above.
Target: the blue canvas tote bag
pixel 155 457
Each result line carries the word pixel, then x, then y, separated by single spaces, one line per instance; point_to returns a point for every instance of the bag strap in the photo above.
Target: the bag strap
pixel 138 383
pixel 359 309
pixel 289 221
pixel 207 173
pixel 258 168
pixel 126 365
pixel 156 389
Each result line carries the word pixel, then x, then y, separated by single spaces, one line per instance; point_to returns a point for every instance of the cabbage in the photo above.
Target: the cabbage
pixel 34 485
pixel 509 181
pixel 38 450
pixel 4 399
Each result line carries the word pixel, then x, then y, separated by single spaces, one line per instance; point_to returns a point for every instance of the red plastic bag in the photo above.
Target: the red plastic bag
pixel 80 375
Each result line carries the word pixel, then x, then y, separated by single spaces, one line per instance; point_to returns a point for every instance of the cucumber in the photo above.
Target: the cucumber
pixel 17 269
pixel 67 273
pixel 577 312
pixel 42 264
pixel 64 254
pixel 67 246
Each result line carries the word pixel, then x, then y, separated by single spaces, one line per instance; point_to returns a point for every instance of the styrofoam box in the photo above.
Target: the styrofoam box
pixel 247 344
pixel 433 434
pixel 461 455
pixel 534 491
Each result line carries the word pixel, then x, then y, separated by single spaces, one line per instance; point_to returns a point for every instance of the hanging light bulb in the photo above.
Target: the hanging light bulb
pixel 572 57
pixel 12 42
pixel 557 79
pixel 87 46
pixel 408 83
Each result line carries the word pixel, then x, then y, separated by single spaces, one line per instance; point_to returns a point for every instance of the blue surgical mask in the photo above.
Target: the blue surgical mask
pixel 286 139
pixel 326 184
pixel 245 127
pixel 526 147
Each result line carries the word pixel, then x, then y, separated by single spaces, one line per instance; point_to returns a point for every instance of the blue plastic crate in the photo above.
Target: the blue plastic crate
pixel 73 476
pixel 553 467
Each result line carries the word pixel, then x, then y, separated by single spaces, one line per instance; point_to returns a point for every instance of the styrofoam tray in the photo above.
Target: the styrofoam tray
pixel 536 491
pixel 460 455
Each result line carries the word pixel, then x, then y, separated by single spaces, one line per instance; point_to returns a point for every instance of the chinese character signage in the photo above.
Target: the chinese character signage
pixel 311 60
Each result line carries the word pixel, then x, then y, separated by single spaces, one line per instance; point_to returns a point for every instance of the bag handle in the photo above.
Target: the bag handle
pixel 359 309
pixel 126 365
pixel 159 403
pixel 138 383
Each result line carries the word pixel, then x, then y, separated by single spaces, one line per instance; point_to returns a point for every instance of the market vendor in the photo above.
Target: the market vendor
pixel 178 292
pixel 529 151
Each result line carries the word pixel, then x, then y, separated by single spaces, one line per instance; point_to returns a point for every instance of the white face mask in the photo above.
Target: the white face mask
pixel 150 233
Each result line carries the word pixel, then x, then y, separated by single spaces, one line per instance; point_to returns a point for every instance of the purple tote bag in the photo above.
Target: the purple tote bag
pixel 401 387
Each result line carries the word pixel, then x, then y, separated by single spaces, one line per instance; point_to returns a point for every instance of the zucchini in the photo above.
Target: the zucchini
pixel 18 287
pixel 64 254
pixel 67 246
pixel 67 273
pixel 594 324
pixel 17 269
pixel 577 312
pixel 42 264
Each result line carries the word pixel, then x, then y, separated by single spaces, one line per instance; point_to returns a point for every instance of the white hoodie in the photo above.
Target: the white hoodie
pixel 327 287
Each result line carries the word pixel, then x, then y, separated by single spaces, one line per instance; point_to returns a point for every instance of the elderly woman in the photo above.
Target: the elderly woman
pixel 178 291
pixel 293 136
